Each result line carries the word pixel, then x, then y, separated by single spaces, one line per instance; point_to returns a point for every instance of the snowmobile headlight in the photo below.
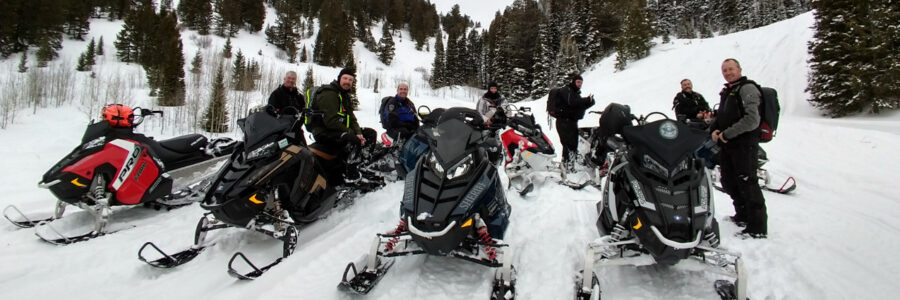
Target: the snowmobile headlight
pixel 460 168
pixel 263 151
pixel 435 164
pixel 655 166
pixel 100 141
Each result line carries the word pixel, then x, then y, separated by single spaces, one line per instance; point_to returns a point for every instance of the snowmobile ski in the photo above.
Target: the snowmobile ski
pixel 173 260
pixel 253 274
pixel 363 282
pixel 23 221
pixel 726 290
pixel 66 240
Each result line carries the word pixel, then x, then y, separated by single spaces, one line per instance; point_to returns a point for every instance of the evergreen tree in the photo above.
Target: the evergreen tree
pixel 216 117
pixel 386 45
pixel 77 15
pixel 196 15
pixel 283 33
pixel 253 14
pixel 238 72
pixel 303 56
pixel 169 67
pixel 308 81
pixel 543 63
pixel 335 39
pixel 23 62
pixel 227 18
pixel 45 53
pixel 635 41
pixel 90 53
pixel 438 69
pixel 82 65
pixel 226 51
pixel 397 14
pixel 854 57
pixel 197 63
pixel 568 62
pixel 100 47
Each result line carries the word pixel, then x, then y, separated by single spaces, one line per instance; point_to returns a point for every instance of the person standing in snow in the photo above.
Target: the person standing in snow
pixel 571 108
pixel 688 104
pixel 399 114
pixel 287 94
pixel 736 130
pixel 489 104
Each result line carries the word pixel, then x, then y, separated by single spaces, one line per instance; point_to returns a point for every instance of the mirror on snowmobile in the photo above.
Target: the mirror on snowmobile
pixel 419 110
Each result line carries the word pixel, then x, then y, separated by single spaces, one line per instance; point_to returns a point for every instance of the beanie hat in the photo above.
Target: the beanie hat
pixel 576 77
pixel 346 71
pixel 493 84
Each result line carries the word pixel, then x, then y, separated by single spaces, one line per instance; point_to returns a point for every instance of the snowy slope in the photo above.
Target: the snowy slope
pixel 833 239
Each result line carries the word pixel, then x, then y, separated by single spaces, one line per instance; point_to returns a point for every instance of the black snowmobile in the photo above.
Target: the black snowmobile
pixel 273 184
pixel 657 205
pixel 114 166
pixel 453 205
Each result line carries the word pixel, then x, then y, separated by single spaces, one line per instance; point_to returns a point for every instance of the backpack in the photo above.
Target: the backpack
pixel 383 113
pixel 310 99
pixel 769 110
pixel 553 105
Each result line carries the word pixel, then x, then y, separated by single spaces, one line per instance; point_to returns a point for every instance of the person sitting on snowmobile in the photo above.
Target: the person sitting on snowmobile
pixel 688 104
pixel 286 94
pixel 489 106
pixel 398 114
pixel 336 131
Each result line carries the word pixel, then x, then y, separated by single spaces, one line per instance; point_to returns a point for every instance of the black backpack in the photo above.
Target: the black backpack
pixel 553 105
pixel 769 111
pixel 382 113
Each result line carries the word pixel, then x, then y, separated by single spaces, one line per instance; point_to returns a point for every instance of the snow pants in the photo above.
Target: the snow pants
pixel 739 179
pixel 568 137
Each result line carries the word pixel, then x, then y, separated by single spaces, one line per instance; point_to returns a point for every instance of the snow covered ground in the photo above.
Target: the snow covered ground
pixel 834 238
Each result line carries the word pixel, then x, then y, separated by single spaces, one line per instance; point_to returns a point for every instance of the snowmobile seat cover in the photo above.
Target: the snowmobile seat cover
pixel 614 118
pixel 185 144
pixel 118 115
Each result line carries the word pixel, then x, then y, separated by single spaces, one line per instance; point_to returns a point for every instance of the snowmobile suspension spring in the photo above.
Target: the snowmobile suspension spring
pixel 485 237
pixel 394 240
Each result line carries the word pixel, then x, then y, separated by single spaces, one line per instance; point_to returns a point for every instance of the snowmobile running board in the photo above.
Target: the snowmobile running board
pixel 23 220
pixel 170 261
pixel 253 274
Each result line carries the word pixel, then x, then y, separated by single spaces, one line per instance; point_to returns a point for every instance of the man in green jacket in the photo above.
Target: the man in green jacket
pixel 336 130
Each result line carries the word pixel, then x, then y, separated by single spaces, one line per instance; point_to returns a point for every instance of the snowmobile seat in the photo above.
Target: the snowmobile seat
pixel 185 144
pixel 318 151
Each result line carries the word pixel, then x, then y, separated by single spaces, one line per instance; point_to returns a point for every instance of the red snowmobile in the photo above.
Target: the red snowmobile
pixel 114 166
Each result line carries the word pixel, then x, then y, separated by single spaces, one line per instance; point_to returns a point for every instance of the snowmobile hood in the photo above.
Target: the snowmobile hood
pixel 454 134
pixel 667 139
pixel 257 127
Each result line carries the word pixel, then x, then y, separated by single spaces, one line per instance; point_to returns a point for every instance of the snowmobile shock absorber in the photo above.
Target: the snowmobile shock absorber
pixel 485 237
pixel 393 241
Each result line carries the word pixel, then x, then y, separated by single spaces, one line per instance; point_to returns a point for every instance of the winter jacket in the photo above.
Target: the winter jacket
pixel 689 104
pixel 337 118
pixel 738 115
pixel 571 105
pixel 488 104
pixel 401 113
pixel 283 97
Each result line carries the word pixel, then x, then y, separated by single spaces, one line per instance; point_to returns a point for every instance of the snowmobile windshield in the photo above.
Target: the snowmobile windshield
pixel 454 134
pixel 259 126
pixel 669 140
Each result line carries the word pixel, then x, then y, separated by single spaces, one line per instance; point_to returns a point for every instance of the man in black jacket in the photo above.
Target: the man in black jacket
pixel 287 94
pixel 736 129
pixel 689 104
pixel 571 107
